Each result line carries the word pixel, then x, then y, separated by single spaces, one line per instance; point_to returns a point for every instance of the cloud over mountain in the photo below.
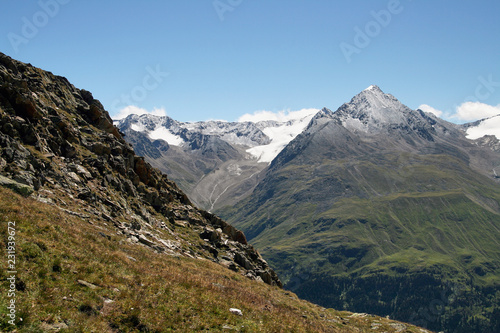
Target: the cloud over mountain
pixel 471 111
pixel 281 116
pixel 430 109
pixel 467 111
pixel 132 109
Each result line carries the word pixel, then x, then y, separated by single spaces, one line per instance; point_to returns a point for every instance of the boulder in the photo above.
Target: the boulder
pixel 243 261
pixel 24 190
pixel 145 241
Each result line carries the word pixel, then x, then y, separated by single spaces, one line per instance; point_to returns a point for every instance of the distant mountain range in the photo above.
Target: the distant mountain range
pixel 372 207
pixel 217 163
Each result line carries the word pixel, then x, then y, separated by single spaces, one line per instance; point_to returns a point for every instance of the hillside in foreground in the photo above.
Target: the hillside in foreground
pixel 79 275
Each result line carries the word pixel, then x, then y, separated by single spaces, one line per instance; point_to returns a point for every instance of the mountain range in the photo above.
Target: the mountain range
pixel 215 162
pixel 97 240
pixel 371 207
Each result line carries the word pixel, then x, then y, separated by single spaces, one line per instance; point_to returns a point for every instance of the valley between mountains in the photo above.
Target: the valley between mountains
pixel 373 207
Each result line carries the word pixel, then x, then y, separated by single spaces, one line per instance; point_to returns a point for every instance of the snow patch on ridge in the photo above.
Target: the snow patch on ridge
pixel 153 127
pixel 264 133
pixel 161 133
pixel 281 134
pixel 490 126
pixel 137 127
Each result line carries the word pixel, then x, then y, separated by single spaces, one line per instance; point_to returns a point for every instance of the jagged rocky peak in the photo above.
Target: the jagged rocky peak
pixel 373 105
pixel 324 112
pixel 373 110
pixel 368 111
pixel 146 122
pixel 374 98
pixel 321 118
pixel 240 133
pixel 59 146
pixel 176 132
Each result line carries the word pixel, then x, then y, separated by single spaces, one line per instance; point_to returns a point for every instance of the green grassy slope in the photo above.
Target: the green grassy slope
pixel 339 229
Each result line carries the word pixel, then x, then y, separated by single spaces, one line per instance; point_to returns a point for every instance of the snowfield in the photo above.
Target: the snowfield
pixel 490 126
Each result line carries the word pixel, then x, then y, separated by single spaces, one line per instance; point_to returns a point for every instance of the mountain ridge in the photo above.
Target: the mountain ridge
pixel 249 134
pixel 65 137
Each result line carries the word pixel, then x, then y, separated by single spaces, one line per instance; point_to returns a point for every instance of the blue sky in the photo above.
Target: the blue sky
pixel 206 59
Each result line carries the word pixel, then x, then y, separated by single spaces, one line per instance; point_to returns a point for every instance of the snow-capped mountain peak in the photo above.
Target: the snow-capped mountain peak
pixel 155 127
pixel 372 87
pixel 372 109
pixel 373 100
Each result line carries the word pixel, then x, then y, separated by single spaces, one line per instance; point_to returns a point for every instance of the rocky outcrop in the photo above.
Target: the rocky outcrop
pixel 22 189
pixel 489 141
pixel 58 142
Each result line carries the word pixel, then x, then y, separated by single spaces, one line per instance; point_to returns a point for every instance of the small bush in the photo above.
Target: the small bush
pixel 30 251
pixel 56 267
pixel 87 309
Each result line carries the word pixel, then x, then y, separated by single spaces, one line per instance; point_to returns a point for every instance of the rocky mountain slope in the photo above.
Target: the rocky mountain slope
pixel 103 242
pixel 59 140
pixel 216 163
pixel 382 207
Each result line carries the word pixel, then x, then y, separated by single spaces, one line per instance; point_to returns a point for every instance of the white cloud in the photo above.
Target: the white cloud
pixel 430 109
pixel 471 111
pixel 281 116
pixel 132 109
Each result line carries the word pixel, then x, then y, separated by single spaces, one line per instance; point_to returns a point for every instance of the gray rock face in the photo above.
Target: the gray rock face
pixel 22 189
